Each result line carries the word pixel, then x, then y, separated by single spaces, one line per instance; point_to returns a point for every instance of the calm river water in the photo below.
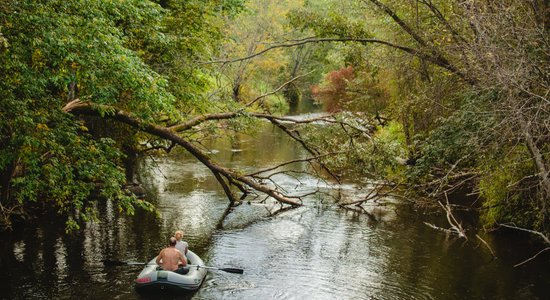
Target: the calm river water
pixel 318 251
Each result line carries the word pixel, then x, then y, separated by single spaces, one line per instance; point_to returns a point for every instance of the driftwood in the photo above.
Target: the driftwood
pixel 456 227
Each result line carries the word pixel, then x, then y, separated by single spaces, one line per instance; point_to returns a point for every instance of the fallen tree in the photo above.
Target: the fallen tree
pixel 228 178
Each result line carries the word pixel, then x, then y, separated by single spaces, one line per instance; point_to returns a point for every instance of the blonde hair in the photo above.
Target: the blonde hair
pixel 178 232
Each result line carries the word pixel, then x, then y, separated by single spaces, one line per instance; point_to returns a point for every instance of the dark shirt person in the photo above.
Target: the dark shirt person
pixel 170 258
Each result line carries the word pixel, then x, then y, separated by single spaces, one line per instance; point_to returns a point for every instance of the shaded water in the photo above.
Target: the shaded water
pixel 315 252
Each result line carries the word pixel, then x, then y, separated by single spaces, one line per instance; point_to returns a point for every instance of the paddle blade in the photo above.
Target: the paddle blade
pixel 108 262
pixel 232 270
pixel 122 263
pixel 136 263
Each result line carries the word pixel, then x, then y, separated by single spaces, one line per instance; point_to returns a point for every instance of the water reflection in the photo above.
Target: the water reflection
pixel 318 251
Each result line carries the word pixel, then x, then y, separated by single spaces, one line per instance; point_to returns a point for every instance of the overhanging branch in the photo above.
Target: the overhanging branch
pixel 78 107
pixel 435 59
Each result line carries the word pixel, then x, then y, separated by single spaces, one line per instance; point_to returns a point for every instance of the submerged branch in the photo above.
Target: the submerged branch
pixel 544 237
pixel 455 225
pixel 374 193
pixel 531 258
pixel 486 245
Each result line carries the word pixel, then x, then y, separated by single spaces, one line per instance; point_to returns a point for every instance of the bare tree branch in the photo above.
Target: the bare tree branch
pixel 309 159
pixel 444 21
pixel 486 245
pixel 455 225
pixel 544 237
pixel 86 108
pixel 277 89
pixel 531 258
pixel 435 56
pixel 399 21
pixel 226 188
pixel 201 119
pixel 296 136
pixel 374 193
pixel 231 115
pixel 435 59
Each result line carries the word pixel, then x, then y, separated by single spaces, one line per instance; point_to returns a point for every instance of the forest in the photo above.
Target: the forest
pixel 422 98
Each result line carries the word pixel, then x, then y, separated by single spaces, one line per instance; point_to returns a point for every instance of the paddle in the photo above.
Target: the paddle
pixel 137 263
pixel 228 270
pixel 108 262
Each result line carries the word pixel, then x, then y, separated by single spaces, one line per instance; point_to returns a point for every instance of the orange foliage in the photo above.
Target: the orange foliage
pixel 332 94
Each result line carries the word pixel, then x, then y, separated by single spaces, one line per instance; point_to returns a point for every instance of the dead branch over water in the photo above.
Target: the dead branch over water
pixel 232 177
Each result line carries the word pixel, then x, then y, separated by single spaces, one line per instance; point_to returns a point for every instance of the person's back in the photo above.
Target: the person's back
pixel 170 258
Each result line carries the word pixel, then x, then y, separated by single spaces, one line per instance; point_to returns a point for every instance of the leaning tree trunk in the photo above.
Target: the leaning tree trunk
pixel 540 164
pixel 78 107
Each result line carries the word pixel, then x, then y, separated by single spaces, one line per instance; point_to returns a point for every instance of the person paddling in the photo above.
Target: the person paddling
pixel 171 259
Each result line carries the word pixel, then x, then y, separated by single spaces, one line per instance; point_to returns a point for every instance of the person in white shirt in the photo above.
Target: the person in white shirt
pixel 181 245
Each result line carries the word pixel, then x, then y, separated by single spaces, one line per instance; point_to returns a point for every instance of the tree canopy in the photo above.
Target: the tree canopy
pixel 104 52
pixel 428 96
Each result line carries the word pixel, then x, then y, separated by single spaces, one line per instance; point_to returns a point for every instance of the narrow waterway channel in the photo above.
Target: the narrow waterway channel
pixel 318 251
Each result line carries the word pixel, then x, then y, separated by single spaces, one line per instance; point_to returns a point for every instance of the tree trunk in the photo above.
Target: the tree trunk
pixel 540 164
pixel 5 182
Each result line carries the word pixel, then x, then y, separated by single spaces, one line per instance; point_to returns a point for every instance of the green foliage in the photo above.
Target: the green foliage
pixel 231 8
pixel 465 110
pixel 276 105
pixel 330 18
pixel 392 140
pixel 360 156
pixel 136 55
pixel 86 44
pixel 503 188
pixel 192 30
pixel 456 143
pixel 56 51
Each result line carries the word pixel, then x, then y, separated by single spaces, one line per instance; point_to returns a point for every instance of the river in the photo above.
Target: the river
pixel 318 251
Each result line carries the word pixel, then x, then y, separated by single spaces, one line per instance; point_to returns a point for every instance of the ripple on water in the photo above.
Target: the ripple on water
pixel 309 255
